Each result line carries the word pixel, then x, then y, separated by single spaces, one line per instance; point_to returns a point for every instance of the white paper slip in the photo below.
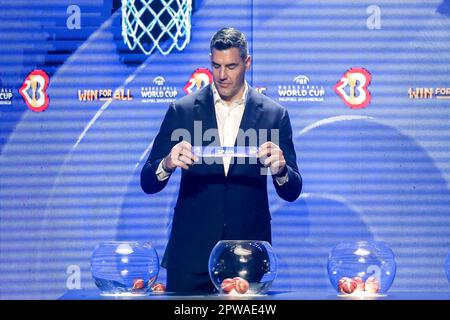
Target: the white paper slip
pixel 214 151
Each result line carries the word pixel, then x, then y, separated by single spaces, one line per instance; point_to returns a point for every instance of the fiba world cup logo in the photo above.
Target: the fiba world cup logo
pixel 199 79
pixel 33 90
pixel 352 88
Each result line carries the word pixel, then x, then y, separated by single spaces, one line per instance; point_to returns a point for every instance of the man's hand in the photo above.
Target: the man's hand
pixel 272 156
pixel 180 156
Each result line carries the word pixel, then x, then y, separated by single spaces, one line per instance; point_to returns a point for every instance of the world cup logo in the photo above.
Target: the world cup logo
pixel 352 88
pixel 199 79
pixel 33 90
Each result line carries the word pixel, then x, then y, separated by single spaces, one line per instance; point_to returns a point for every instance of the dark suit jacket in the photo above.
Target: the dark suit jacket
pixel 210 205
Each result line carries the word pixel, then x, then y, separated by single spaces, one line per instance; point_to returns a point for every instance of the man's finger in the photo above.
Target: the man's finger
pixel 266 151
pixel 180 146
pixel 186 149
pixel 185 145
pixel 268 148
pixel 185 159
pixel 277 166
pixel 181 164
pixel 188 153
pixel 263 153
pixel 266 144
pixel 270 160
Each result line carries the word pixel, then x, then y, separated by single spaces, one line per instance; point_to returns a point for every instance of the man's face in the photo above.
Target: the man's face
pixel 229 72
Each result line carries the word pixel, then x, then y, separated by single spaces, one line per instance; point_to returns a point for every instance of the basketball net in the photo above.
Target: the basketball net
pixel 156 24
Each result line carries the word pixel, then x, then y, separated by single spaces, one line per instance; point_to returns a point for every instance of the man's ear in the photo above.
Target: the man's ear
pixel 248 62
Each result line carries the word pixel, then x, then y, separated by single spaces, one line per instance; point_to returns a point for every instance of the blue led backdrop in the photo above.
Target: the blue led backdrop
pixel 79 111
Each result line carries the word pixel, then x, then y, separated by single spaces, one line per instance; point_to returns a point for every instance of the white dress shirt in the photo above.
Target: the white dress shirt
pixel 228 118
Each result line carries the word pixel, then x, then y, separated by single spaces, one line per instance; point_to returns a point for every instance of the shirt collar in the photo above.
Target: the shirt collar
pixel 217 97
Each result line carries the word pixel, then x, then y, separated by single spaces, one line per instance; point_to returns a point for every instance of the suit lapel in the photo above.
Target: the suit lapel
pixel 250 119
pixel 252 112
pixel 205 112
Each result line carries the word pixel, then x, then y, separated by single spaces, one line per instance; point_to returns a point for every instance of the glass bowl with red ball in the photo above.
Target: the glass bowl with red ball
pixel 242 267
pixel 361 268
pixel 122 268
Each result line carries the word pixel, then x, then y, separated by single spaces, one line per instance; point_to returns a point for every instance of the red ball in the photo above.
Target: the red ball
pixel 138 284
pixel 241 286
pixel 359 283
pixel 158 287
pixel 372 285
pixel 341 282
pixel 347 285
pixel 228 285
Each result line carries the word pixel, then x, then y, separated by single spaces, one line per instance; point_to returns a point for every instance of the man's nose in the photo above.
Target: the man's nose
pixel 223 74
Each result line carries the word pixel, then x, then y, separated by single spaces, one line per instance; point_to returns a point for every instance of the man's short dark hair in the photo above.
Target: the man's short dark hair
pixel 227 38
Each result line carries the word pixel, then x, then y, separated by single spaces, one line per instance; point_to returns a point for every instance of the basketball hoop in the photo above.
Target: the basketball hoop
pixel 156 24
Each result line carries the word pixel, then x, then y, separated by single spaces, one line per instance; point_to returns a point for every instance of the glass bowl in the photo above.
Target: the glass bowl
pixel 361 268
pixel 242 267
pixel 124 267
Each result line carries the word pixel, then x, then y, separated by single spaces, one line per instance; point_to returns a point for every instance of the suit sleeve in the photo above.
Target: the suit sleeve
pixel 161 148
pixel 290 190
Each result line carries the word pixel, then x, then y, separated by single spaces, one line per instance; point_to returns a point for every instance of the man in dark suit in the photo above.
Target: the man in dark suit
pixel 225 198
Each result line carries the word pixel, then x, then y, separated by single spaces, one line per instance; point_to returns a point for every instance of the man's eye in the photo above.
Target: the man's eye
pixel 232 67
pixel 216 66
